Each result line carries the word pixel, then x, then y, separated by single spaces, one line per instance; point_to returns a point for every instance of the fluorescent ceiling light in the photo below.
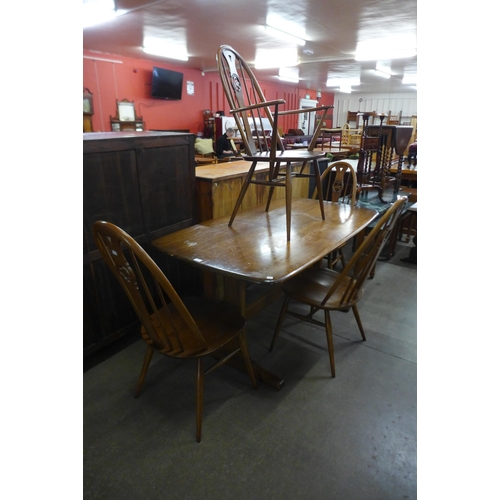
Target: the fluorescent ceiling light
pixel 162 48
pixel 391 47
pixel 382 70
pixel 409 79
pixel 346 89
pixel 283 35
pixel 342 82
pixel 99 11
pixel 276 58
pixel 289 75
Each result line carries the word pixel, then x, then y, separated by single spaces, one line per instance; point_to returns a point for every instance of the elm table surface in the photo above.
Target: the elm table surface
pixel 255 248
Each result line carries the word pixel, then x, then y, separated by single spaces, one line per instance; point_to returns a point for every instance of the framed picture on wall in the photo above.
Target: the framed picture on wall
pixel 126 111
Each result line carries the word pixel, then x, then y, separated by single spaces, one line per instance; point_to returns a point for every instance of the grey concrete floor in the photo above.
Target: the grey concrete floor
pixel 351 437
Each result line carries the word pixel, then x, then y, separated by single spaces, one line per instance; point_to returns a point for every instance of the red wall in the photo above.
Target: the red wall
pixel 109 81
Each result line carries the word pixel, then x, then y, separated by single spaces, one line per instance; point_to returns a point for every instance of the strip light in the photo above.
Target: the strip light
pixel 165 49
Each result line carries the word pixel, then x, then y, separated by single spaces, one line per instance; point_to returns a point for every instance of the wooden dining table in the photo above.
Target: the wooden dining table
pixel 255 250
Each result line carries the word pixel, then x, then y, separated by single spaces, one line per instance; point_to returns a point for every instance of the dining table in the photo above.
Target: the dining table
pixel 254 250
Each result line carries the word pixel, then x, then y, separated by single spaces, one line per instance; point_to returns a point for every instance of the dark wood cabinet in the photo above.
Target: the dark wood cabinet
pixel 144 182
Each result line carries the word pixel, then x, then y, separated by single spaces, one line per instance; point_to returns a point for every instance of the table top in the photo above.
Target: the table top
pixel 228 170
pixel 405 169
pixel 255 247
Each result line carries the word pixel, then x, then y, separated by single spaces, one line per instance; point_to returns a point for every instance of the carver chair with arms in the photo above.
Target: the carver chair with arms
pixel 252 112
pixel 324 289
pixel 184 329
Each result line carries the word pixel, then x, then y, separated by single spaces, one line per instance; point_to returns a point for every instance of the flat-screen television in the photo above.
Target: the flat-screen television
pixel 166 84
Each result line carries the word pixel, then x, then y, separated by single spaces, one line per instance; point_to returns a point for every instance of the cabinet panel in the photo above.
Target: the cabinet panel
pixel 110 188
pixel 167 187
pixel 145 184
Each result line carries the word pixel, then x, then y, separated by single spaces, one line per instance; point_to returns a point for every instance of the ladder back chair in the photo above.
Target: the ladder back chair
pixel 252 112
pixel 184 329
pixel 324 289
pixel 339 185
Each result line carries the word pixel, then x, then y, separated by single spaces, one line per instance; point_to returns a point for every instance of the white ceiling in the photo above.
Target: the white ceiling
pixel 332 30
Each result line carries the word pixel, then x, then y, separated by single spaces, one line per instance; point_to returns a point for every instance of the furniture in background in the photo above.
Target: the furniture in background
pixel 350 137
pixel 144 182
pixel 88 110
pixel 255 258
pixel 325 290
pixel 204 151
pixel 370 175
pixel 218 187
pixel 191 329
pixel 394 140
pixel 126 118
pixel 394 119
pixel 339 185
pixel 352 117
pixel 250 108
pixel 408 224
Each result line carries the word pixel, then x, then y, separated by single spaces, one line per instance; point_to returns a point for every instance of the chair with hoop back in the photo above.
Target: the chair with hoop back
pixel 339 185
pixel 184 329
pixel 324 289
pixel 257 122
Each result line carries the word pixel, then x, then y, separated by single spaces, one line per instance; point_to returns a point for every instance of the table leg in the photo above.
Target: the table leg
pixel 235 293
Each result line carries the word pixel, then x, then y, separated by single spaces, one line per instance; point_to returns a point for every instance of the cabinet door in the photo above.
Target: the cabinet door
pixel 111 193
pixel 166 186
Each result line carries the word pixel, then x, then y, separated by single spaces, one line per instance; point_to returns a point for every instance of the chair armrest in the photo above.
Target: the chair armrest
pixel 305 110
pixel 260 105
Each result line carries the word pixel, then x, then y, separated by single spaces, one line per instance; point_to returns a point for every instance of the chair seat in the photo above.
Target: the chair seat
pixel 218 323
pixel 312 285
pixel 287 155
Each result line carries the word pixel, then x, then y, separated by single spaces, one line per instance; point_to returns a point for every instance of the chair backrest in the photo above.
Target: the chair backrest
pixel 255 121
pixel 339 183
pixel 361 263
pixel 255 117
pixel 159 307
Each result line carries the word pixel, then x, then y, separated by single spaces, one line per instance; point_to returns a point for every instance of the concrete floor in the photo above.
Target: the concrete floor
pixel 352 437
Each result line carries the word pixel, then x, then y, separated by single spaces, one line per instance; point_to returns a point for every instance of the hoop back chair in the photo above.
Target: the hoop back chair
pixel 324 289
pixel 252 113
pixel 191 329
pixel 339 185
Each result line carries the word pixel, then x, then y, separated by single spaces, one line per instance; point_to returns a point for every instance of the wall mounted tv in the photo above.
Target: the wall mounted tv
pixel 166 84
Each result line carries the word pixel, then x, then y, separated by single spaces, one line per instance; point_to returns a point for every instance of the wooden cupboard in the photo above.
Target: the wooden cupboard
pixel 219 185
pixel 144 182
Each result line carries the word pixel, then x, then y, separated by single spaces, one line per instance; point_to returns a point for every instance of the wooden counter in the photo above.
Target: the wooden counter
pixel 219 185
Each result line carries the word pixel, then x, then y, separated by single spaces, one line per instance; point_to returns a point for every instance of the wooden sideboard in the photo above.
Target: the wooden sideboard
pixel 219 185
pixel 144 182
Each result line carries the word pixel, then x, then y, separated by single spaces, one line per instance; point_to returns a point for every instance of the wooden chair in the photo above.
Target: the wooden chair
pixel 327 290
pixel 370 173
pixel 339 185
pixel 191 329
pixel 252 112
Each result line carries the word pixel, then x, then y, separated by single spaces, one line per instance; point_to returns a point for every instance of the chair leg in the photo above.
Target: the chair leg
pixel 273 176
pixel 329 340
pixel 246 357
pixel 358 320
pixel 199 398
pixel 288 196
pixel 243 191
pixel 280 322
pixel 319 188
pixel 145 365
